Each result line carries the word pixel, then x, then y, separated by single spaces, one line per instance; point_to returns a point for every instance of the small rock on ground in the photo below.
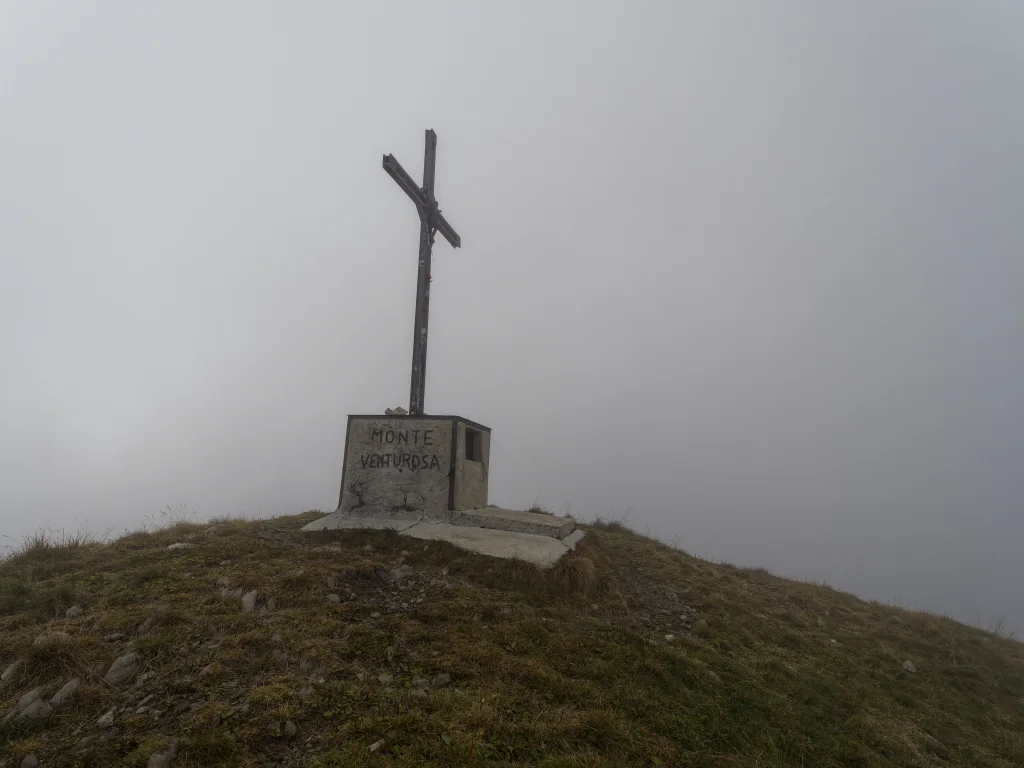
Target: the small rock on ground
pixel 291 730
pixel 163 759
pixel 35 712
pixel 64 695
pixel 179 545
pixel 105 721
pixel 30 761
pixel 909 666
pixel 442 680
pixel 249 601
pixel 73 612
pixel 122 670
pixel 334 598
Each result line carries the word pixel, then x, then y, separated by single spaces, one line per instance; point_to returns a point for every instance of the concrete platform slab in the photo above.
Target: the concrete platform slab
pixel 536 538
pixel 514 520
pixel 544 551
pixel 339 521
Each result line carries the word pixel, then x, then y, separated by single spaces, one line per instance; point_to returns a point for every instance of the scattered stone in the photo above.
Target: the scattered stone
pixel 444 571
pixel 291 730
pixel 181 708
pixel 123 669
pixel 163 759
pixel 821 622
pixel 306 693
pixel 333 582
pixel 105 721
pixel 593 606
pixel 64 695
pixel 276 639
pixel 402 572
pixel 73 612
pixel 368 548
pixel 12 673
pixel 384 679
pixel 30 761
pixel 249 601
pixel 27 699
pixel 405 606
pixel 375 615
pixel 442 680
pixel 701 623
pixel 271 605
pixel 360 676
pixel 909 666
pixel 352 596
pixel 146 627
pixel 115 637
pixel 147 699
pixel 182 685
pixel 225 563
pixel 833 641
pixel 669 638
pixel 179 545
pixel 224 582
pixel 36 712
pixel 418 693
pixel 377 744
pixel 334 598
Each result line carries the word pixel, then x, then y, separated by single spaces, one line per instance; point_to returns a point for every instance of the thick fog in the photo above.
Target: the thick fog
pixel 751 274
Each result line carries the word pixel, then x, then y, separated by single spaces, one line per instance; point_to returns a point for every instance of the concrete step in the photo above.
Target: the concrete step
pixel 498 519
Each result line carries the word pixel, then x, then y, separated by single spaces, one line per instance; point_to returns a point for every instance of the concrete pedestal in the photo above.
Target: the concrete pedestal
pixel 414 465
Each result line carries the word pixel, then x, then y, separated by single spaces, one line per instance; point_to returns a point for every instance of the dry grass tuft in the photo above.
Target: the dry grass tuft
pixel 575 574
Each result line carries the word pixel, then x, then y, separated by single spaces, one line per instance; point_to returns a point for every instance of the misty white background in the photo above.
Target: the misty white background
pixel 753 271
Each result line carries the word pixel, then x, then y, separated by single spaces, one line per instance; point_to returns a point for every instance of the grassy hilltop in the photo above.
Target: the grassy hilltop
pixel 255 645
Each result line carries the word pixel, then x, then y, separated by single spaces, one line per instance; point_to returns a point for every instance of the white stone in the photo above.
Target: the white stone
pixel 122 670
pixel 27 699
pixel 249 601
pixel 73 612
pixel 178 545
pixel 65 694
pixel 909 666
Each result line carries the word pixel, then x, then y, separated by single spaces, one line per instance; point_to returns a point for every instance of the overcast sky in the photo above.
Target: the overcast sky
pixel 752 271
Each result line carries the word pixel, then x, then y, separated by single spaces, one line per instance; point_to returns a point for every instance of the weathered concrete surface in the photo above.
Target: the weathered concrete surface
pixel 573 538
pixel 339 520
pixel 396 464
pixel 470 476
pixel 544 551
pixel 512 520
pixel 492 517
pixel 540 539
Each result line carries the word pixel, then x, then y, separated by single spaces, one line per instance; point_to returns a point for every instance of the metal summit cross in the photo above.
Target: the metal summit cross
pixel 431 221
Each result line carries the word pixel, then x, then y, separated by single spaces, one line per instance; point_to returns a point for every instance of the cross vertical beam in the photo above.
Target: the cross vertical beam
pixel 431 221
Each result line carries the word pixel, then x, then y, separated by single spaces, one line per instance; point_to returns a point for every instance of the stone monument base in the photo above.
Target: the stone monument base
pixel 537 538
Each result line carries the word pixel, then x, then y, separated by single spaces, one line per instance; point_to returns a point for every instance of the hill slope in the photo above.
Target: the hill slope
pixel 373 649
